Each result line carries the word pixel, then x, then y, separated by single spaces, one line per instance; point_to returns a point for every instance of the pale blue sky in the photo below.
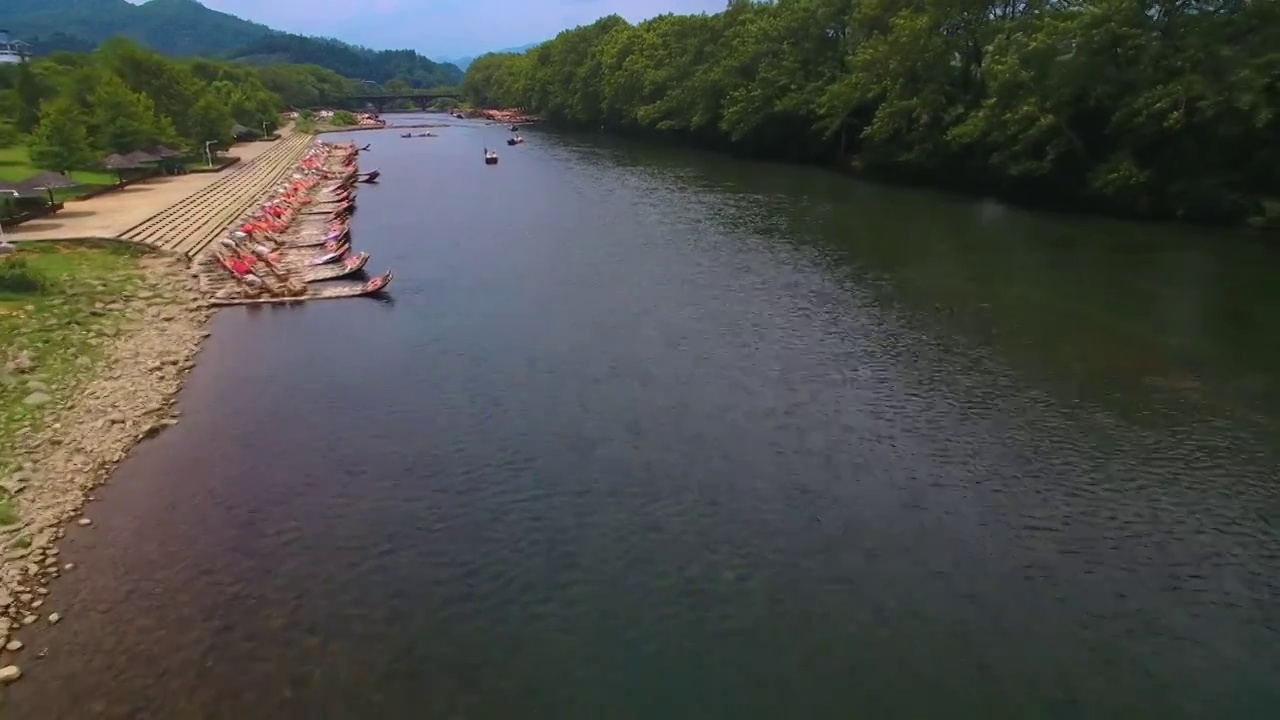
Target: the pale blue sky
pixel 445 28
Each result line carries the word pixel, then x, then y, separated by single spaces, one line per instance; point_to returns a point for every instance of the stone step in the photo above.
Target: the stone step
pixel 191 224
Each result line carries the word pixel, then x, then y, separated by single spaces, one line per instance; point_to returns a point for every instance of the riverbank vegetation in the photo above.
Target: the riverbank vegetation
pixel 68 112
pixel 71 110
pixel 1134 107
pixel 58 304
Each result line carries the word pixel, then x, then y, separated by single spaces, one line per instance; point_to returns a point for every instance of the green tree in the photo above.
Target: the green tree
pixel 8 133
pixel 122 121
pixel 59 141
pixel 29 97
pixel 209 120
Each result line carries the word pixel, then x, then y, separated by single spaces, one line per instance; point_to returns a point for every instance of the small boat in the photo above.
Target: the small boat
pixel 406 135
pixel 490 157
pixel 371 176
pixel 515 140
pixel 515 128
pixel 335 290
pixel 350 265
pixel 363 149
pixel 336 254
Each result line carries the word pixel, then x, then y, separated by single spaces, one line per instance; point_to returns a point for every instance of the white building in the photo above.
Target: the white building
pixel 13 50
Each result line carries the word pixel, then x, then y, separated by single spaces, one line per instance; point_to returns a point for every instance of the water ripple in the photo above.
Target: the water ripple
pixel 648 433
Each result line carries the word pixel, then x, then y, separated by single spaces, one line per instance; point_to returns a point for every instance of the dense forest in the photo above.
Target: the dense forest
pixel 349 61
pixel 71 110
pixel 185 28
pixel 1152 108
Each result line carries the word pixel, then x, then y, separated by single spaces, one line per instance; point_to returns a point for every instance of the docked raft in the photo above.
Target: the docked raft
pixel 297 246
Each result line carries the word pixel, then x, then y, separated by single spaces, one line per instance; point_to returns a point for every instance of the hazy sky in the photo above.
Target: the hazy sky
pixel 445 28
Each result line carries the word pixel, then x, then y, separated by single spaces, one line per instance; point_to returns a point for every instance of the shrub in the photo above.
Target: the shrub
pixel 17 276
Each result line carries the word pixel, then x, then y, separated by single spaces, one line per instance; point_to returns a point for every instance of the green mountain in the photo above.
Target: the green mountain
pixel 172 27
pixel 349 60
pixel 187 28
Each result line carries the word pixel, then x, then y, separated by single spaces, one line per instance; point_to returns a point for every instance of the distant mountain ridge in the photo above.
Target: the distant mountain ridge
pixel 172 27
pixel 465 61
pixel 187 28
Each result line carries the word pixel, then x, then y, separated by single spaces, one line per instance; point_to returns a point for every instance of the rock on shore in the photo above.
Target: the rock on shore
pixel 128 398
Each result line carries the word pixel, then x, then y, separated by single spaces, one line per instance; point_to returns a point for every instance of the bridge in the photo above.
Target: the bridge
pixel 422 98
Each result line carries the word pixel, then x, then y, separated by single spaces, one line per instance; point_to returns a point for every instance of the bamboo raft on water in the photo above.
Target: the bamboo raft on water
pixel 214 275
pixel 332 291
pixel 308 255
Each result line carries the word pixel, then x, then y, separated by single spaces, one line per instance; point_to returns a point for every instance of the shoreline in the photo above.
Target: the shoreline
pixel 148 337
pixel 847 166
pixel 126 397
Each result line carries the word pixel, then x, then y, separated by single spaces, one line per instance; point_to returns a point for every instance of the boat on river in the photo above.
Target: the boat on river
pixel 515 140
pixel 490 157
pixel 334 290
pixel 298 242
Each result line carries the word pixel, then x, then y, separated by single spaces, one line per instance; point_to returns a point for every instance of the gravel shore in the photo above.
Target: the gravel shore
pixel 127 397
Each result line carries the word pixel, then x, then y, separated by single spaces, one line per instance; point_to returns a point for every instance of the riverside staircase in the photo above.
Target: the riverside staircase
pixel 192 223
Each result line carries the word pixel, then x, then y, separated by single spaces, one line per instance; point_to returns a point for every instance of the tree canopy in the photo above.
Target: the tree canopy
pixel 78 107
pixel 1145 107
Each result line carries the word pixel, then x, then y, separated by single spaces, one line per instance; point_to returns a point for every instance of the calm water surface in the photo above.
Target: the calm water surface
pixel 646 433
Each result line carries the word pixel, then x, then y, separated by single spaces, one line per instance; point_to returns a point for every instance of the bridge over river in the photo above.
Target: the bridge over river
pixel 424 99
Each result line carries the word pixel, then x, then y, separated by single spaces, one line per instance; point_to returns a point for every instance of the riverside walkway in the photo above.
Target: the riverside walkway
pixel 181 214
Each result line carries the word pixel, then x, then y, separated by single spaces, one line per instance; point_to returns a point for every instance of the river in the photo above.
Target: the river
pixel 650 433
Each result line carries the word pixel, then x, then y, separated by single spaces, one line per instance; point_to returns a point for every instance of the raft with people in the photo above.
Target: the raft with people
pixel 292 247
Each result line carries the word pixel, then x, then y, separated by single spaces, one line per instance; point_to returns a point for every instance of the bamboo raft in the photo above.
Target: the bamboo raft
pixel 298 257
pixel 346 290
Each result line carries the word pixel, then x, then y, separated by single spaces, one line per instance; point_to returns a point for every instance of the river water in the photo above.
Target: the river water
pixel 648 433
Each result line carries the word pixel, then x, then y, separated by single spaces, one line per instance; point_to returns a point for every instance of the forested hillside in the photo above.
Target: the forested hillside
pixel 350 61
pixel 187 28
pixel 1141 107
pixel 172 27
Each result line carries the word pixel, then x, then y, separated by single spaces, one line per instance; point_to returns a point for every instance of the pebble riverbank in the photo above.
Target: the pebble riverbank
pixel 128 399
pixel 92 419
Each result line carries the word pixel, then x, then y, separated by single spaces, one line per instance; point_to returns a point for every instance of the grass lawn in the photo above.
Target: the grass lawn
pixel 57 327
pixel 15 166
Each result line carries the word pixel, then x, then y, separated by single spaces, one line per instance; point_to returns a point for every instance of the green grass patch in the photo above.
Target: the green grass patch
pixel 15 166
pixel 8 513
pixel 58 303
